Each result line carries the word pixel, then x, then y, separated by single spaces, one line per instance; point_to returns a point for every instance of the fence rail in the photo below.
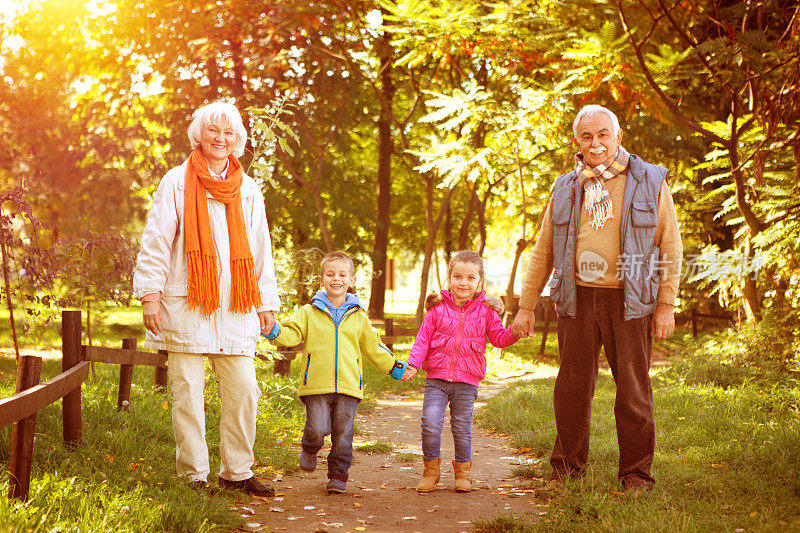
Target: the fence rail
pixel 31 401
pixel 32 396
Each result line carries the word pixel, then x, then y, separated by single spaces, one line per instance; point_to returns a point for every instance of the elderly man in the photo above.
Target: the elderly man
pixel 610 237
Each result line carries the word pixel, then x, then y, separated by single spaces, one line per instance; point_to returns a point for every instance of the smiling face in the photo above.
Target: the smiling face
pixel 337 277
pixel 596 139
pixel 464 280
pixel 217 143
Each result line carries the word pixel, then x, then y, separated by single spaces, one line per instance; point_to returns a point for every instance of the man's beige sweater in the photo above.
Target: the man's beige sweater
pixel 598 247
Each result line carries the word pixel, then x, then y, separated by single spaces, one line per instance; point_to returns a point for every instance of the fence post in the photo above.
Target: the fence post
pixel 160 378
pixel 388 329
pixel 29 370
pixel 125 378
pixel 71 356
pixel 283 366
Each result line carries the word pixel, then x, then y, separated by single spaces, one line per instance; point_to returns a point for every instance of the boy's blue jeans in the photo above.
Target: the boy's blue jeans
pixel 331 414
pixel 461 397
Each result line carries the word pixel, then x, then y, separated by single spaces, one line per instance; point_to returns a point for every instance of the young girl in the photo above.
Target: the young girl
pixel 451 348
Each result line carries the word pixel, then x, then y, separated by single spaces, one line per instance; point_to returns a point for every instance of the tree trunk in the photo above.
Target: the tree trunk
pixel 377 298
pixel 433 229
pixel 9 303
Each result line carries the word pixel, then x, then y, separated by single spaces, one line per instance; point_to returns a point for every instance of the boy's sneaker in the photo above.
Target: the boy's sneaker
pixel 307 462
pixel 336 486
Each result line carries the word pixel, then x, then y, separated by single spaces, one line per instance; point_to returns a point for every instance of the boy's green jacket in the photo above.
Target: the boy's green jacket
pixel 335 341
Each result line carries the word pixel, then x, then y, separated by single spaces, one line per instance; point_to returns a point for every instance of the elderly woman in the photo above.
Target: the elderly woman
pixel 206 279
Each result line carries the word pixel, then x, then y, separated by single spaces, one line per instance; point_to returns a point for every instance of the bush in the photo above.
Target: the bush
pixel 764 353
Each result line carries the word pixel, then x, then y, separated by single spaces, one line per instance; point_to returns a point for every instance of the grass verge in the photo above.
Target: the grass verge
pixel 727 458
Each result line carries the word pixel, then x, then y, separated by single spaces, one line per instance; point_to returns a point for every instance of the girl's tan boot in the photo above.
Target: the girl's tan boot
pixel 430 476
pixel 462 471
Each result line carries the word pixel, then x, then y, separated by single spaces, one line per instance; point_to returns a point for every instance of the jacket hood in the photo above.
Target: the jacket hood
pixel 321 301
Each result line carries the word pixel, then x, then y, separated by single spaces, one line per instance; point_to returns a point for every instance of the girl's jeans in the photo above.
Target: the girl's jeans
pixel 461 397
pixel 331 414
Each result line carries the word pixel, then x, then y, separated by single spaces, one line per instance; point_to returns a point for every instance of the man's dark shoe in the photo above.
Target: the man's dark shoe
pixel 249 486
pixel 636 486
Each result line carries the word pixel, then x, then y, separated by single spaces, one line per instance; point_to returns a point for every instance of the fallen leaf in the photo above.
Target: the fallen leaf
pixel 277 509
pixel 293 518
pixel 360 528
pixel 525 450
pixel 409 518
pixel 249 510
pixel 309 507
pixel 356 504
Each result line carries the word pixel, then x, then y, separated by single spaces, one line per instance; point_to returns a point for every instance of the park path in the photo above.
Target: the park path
pixel 381 494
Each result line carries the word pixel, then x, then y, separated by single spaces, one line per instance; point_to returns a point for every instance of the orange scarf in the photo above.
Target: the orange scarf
pixel 200 252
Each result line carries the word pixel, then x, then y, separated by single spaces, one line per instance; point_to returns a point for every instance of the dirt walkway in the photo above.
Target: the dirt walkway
pixel 381 494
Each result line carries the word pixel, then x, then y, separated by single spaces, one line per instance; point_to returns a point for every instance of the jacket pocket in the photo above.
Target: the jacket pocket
pixel 308 365
pixel 176 317
pixel 555 286
pixel 476 358
pixel 643 214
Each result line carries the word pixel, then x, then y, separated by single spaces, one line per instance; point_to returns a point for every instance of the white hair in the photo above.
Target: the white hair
pixel 594 109
pixel 218 112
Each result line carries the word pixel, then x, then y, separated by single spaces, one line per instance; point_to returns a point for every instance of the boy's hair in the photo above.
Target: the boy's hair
pixel 337 256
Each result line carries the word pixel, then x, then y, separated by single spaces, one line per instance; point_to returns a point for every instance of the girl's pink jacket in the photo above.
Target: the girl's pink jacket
pixel 451 344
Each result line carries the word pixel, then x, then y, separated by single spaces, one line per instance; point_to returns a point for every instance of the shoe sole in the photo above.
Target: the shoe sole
pixel 330 490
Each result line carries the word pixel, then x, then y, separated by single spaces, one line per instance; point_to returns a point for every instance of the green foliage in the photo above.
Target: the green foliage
pixel 763 354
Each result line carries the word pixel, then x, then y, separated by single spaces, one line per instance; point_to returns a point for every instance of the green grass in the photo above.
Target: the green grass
pixel 406 458
pixel 110 324
pixel 378 446
pixel 726 458
pixel 502 524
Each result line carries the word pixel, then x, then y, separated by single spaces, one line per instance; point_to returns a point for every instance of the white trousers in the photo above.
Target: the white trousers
pixel 239 394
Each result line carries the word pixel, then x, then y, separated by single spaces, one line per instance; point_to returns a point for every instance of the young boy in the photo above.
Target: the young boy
pixel 336 333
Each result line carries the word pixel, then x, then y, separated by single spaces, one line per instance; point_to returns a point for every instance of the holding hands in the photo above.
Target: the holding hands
pixel 409 374
pixel 523 323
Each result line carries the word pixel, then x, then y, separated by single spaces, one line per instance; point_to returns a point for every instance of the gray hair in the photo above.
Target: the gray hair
pixel 224 113
pixel 594 109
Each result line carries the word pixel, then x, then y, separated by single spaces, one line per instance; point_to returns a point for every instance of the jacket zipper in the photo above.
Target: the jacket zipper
pixel 305 378
pixel 457 345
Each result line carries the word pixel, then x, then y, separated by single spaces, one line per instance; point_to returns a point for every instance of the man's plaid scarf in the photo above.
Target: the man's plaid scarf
pixel 593 180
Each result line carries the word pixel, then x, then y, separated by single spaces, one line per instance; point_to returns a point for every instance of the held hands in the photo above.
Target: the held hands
pixel 662 322
pixel 151 316
pixel 266 319
pixel 523 323
pixel 409 374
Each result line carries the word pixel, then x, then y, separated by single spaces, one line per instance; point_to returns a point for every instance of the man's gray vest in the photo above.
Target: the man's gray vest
pixel 640 259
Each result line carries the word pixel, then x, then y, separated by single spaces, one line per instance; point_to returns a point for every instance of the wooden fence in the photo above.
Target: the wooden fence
pixel 31 396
